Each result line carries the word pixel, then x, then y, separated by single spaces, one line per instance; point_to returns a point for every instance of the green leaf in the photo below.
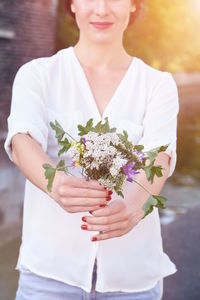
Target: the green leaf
pixel 50 173
pixel 89 123
pixel 162 148
pixel 100 127
pixel 152 155
pixel 147 170
pixel 85 129
pixel 124 139
pixel 153 200
pixel 66 145
pixel 113 129
pixel 161 200
pixel 61 165
pixel 139 147
pixel 58 129
pixel 158 171
pixel 151 171
pixel 118 191
pixel 105 127
pixel 125 134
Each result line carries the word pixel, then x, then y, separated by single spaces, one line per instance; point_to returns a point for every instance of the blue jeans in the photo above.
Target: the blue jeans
pixel 35 287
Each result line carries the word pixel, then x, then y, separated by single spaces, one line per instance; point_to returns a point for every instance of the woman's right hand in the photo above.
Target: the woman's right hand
pixel 75 194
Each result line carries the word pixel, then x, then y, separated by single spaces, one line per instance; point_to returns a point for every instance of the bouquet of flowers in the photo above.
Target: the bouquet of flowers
pixel 108 157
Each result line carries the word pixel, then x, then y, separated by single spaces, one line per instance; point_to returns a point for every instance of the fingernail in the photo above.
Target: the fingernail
pixel 84 227
pixel 94 238
pixel 105 187
pixel 84 219
pixel 102 205
pixel 108 198
pixel 110 192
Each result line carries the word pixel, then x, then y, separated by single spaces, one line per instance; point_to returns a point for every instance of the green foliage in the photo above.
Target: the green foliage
pixel 50 172
pixel 61 166
pixel 85 129
pixel 119 183
pixel 99 128
pixel 151 170
pixel 138 147
pixel 58 129
pixel 66 145
pixel 153 200
pixel 124 138
pixel 153 153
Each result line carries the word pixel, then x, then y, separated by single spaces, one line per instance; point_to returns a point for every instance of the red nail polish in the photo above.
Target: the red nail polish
pixel 105 187
pixel 94 238
pixel 108 198
pixel 110 192
pixel 102 205
pixel 84 227
pixel 84 219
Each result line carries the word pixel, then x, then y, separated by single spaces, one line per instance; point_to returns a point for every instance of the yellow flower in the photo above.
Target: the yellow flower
pixel 73 143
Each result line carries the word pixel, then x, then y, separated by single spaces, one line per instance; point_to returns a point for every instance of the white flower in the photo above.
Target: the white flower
pixel 113 171
pixel 106 182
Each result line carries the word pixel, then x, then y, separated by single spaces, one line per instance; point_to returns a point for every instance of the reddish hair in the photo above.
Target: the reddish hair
pixel 133 16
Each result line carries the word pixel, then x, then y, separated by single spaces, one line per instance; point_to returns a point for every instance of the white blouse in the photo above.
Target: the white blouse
pixel 145 104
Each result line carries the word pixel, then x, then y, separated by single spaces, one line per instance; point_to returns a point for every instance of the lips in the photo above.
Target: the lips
pixel 101 25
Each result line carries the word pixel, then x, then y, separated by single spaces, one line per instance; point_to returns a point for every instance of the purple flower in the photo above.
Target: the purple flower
pixel 140 155
pixel 84 142
pixel 137 152
pixel 128 170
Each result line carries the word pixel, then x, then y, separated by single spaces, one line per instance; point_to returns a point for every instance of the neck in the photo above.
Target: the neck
pixel 102 56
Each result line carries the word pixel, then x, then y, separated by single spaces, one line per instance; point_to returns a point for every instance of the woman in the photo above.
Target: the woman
pixel 60 258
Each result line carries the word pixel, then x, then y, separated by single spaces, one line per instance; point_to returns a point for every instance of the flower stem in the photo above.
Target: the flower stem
pixel 142 187
pixel 71 137
pixel 65 171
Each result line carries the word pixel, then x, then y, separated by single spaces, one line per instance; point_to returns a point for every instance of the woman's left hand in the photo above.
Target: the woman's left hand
pixel 114 220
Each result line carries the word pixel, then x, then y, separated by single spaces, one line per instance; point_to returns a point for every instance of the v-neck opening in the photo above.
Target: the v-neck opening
pixel 88 90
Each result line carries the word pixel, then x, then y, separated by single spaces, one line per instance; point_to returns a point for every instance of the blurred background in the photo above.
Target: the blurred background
pixel 165 35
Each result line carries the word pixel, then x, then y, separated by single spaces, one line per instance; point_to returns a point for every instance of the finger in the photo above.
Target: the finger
pixel 70 191
pixel 75 209
pixel 82 182
pixel 104 220
pixel 108 235
pixel 113 208
pixel 83 201
pixel 108 227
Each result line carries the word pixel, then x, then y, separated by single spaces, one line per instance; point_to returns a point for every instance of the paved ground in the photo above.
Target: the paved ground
pixel 8 274
pixel 181 241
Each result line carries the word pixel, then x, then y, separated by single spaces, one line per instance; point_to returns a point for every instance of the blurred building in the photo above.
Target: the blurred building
pixel 27 31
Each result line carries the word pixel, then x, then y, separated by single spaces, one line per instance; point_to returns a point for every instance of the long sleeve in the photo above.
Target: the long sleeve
pixel 28 109
pixel 160 120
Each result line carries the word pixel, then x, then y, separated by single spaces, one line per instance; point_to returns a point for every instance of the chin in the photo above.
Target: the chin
pixel 101 39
